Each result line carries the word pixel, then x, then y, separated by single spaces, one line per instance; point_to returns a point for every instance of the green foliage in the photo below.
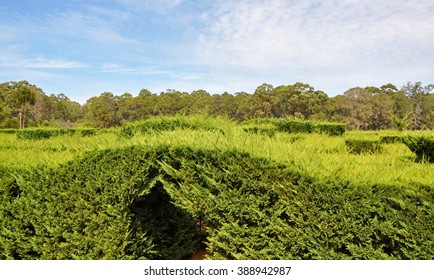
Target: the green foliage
pixel 297 126
pixel 87 132
pixel 422 146
pixel 270 131
pixel 34 134
pixel 399 123
pixel 46 133
pixel 332 129
pixel 8 131
pixel 159 124
pixel 391 139
pixel 361 146
pixel 143 203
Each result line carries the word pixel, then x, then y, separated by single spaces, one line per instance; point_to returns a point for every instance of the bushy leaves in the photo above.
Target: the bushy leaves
pixel 297 126
pixel 159 124
pixel 422 146
pixel 38 134
pixel 360 146
pixel 141 203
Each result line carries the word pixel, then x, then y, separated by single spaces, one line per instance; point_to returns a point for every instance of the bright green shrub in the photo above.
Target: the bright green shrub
pixel 34 134
pixel 302 126
pixel 332 129
pixel 422 146
pixel 265 130
pixel 8 131
pixel 166 124
pixel 38 134
pixel 295 126
pixel 87 132
pixel 360 146
pixel 141 203
pixel 391 139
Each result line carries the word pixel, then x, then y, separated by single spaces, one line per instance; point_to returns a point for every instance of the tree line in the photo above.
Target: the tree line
pixel 369 108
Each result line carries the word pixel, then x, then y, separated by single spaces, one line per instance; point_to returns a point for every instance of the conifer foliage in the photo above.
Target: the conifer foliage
pixel 144 203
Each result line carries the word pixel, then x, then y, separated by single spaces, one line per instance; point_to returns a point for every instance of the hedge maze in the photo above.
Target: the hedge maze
pixel 139 202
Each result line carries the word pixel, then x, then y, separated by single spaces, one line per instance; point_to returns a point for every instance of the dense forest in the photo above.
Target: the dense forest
pixel 23 104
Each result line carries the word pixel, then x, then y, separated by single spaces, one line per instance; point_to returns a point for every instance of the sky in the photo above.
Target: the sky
pixel 85 47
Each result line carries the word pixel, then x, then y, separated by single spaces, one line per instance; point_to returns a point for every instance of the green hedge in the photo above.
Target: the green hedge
pixel 422 146
pixel 392 139
pixel 332 129
pixel 264 130
pixel 38 134
pixel 302 126
pixel 141 203
pixel 159 124
pixel 295 126
pixel 8 131
pixel 87 132
pixel 361 146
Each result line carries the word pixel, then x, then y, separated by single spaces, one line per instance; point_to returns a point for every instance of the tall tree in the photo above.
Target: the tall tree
pixel 24 95
pixel 355 108
pixel 416 92
pixel 262 101
pixel 102 110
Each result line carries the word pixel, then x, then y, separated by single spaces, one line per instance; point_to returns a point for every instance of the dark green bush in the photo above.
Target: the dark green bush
pixel 295 126
pixel 332 129
pixel 359 146
pixel 302 126
pixel 34 134
pixel 8 131
pixel 391 139
pixel 38 134
pixel 140 203
pixel 87 132
pixel 164 124
pixel 269 131
pixel 422 146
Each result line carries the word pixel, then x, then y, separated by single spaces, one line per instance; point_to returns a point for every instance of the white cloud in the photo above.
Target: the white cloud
pixel 13 57
pixel 313 37
pixel 143 71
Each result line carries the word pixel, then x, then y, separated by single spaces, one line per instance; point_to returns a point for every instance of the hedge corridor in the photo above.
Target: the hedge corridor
pixel 144 203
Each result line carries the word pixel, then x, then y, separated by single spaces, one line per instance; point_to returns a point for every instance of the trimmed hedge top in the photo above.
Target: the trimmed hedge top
pixel 141 203
pixel 302 126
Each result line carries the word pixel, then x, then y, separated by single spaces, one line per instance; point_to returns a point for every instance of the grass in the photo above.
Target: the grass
pixel 321 156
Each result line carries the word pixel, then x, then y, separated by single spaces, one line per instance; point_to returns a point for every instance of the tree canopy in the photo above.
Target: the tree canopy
pixel 371 108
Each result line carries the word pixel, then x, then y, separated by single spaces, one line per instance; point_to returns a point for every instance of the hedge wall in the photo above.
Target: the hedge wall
pixel 363 146
pixel 141 203
pixel 422 146
pixel 302 126
pixel 38 134
pixel 159 124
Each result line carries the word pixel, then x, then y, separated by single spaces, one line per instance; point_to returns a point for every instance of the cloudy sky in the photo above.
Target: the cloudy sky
pixel 85 47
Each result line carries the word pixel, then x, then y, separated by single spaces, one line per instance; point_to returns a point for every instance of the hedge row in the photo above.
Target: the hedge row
pixel 297 126
pixel 140 203
pixel 301 126
pixel 264 130
pixel 165 124
pixel 422 146
pixel 38 134
pixel 8 131
pixel 392 139
pixel 363 146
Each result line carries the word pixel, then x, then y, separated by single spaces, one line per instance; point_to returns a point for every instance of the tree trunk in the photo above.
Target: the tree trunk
pixel 21 120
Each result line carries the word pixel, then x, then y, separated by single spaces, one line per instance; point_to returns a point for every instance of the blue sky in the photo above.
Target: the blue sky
pixel 84 47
